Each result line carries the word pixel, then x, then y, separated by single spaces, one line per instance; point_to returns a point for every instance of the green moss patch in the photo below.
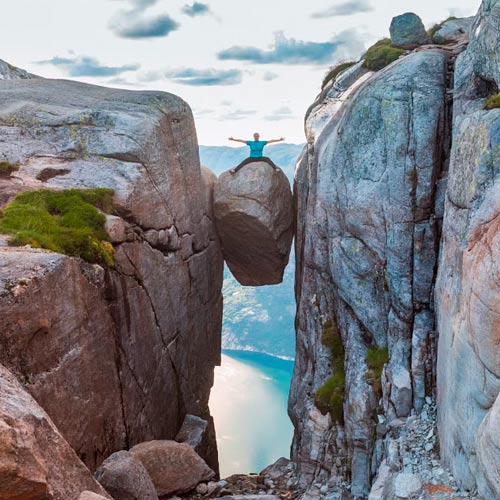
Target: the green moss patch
pixel 49 173
pixel 335 71
pixel 330 396
pixel 7 168
pixel 492 102
pixel 67 222
pixel 381 55
pixel 376 358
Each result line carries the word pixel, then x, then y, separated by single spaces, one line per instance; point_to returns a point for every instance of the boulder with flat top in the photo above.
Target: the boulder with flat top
pixel 254 217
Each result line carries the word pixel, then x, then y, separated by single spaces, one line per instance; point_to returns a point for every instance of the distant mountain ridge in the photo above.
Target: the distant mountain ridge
pixel 222 158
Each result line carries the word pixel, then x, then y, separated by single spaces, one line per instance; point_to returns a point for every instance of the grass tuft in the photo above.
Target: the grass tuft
pixel 376 358
pixel 335 71
pixel 330 396
pixel 492 102
pixel 66 222
pixel 381 54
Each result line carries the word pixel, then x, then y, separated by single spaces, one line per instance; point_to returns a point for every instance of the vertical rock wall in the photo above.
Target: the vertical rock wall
pixel 369 208
pixel 468 287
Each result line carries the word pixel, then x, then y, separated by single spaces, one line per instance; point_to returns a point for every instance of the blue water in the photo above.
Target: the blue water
pixel 248 403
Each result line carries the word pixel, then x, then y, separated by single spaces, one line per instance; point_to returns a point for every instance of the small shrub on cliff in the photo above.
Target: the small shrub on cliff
pixel 381 55
pixel 66 222
pixel 330 396
pixel 376 358
pixel 335 71
pixel 7 168
pixel 492 102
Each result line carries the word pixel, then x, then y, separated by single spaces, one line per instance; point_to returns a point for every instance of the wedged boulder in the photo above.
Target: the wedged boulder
pixel 254 217
pixel 125 478
pixel 408 30
pixel 173 467
pixel 36 463
pixel 453 31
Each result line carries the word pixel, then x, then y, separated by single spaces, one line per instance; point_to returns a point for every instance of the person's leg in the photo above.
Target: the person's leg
pixel 270 162
pixel 242 164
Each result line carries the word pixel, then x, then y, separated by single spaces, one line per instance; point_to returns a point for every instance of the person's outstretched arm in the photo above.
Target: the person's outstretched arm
pixel 237 140
pixel 275 140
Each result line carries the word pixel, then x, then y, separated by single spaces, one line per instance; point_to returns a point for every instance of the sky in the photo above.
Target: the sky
pixel 242 66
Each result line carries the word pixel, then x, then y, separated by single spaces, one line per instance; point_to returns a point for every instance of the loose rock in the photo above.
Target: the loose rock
pixel 173 467
pixel 408 30
pixel 125 478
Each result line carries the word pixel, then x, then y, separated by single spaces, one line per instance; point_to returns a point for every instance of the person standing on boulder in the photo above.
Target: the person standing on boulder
pixel 256 151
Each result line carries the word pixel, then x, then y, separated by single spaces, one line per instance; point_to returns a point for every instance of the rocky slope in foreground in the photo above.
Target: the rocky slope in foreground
pixel 385 162
pixel 119 355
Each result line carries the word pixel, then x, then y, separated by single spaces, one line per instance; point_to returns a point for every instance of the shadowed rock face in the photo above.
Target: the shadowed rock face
pixel 367 237
pixel 254 215
pixel 121 355
pixel 468 285
pixel 35 460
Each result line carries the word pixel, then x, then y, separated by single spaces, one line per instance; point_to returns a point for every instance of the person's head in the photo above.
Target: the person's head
pixel 256 136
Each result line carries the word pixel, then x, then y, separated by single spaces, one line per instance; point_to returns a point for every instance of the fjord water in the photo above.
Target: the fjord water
pixel 249 406
pixel 249 398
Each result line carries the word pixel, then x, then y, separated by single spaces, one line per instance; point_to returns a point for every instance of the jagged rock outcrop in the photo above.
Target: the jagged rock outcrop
pixel 408 30
pixel 35 460
pixel 9 72
pixel 115 356
pixel 369 204
pixel 468 286
pixel 254 215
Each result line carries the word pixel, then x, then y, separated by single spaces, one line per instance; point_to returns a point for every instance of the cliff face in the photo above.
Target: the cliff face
pixel 121 355
pixel 468 287
pixel 367 249
pixel 372 186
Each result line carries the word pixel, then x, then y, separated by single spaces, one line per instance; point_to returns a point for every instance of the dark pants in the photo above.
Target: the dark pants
pixel 252 160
